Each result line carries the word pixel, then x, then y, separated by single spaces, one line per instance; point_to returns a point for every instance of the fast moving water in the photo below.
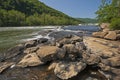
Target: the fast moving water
pixel 10 36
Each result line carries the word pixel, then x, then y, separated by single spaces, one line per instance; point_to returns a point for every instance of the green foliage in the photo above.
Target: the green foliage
pixel 115 23
pixel 32 13
pixel 109 12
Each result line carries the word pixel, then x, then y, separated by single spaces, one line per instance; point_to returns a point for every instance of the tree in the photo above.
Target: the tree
pixel 109 12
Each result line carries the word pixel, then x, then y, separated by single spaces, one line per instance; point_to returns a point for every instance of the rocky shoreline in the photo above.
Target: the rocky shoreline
pixel 66 57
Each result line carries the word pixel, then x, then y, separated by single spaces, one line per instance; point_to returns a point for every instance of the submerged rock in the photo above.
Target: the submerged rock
pixel 66 70
pixel 30 60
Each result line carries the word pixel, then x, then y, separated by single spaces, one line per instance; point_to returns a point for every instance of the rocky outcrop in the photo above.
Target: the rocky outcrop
pixel 66 70
pixel 30 60
pixel 106 54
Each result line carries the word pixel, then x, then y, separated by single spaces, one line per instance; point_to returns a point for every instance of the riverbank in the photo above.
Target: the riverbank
pixel 62 55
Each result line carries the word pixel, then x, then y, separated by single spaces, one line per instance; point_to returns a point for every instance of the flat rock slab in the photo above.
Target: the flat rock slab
pixel 102 47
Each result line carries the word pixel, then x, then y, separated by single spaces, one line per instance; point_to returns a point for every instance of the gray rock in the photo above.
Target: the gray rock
pixel 42 40
pixel 31 43
pixel 66 70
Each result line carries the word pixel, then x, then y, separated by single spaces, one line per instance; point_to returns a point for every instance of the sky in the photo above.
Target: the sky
pixel 75 8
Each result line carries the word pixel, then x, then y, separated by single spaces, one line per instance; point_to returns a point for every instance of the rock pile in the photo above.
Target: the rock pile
pixel 106 33
pixel 67 56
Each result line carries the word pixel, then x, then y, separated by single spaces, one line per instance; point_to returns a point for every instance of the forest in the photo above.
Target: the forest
pixel 31 13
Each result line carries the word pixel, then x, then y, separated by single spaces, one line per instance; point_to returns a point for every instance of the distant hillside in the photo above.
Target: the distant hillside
pixel 88 20
pixel 31 13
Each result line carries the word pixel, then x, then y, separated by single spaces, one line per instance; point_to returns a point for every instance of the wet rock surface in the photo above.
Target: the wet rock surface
pixel 63 56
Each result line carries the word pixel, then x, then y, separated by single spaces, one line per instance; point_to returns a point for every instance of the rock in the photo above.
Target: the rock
pixel 66 70
pixel 104 67
pixel 42 40
pixel 91 59
pixel 48 53
pixel 73 51
pixel 104 25
pixel 118 37
pixel 80 46
pixel 5 65
pixel 12 52
pixel 117 31
pixel 70 48
pixel 95 47
pixel 113 61
pixel 31 43
pixel 30 60
pixel 76 39
pixel 99 34
pixel 106 30
pixel 64 41
pixel 52 66
pixel 31 50
pixel 72 40
pixel 111 35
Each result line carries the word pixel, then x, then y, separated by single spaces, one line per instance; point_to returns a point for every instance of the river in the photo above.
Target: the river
pixel 10 36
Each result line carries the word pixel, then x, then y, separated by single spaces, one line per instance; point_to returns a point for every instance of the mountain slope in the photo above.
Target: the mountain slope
pixel 88 20
pixel 31 12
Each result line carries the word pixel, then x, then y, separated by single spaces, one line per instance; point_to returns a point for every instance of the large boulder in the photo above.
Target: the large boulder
pixel 30 60
pixel 5 65
pixel 111 35
pixel 99 34
pixel 66 70
pixel 48 53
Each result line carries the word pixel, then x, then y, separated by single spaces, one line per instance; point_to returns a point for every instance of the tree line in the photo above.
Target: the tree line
pixel 109 12
pixel 31 13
